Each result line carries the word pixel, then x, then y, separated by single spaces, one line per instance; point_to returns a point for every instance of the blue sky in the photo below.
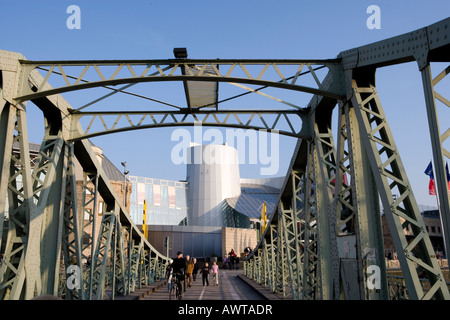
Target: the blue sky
pixel 228 29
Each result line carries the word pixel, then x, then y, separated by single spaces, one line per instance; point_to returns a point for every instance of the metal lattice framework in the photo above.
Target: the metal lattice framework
pixel 324 239
pixel 335 192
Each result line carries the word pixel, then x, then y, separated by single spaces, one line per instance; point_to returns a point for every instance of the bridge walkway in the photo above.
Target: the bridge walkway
pixel 233 285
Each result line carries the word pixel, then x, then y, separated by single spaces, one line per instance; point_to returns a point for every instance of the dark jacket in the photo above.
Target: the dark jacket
pixel 205 271
pixel 195 268
pixel 179 265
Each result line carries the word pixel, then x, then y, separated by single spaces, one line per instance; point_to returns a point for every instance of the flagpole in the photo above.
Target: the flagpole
pixel 430 172
pixel 436 191
pixel 442 225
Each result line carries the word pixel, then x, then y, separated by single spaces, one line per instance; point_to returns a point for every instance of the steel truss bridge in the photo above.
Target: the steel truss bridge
pixel 324 238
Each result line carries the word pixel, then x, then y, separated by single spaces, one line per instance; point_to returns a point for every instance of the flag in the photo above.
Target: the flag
pixel 263 217
pixel 344 182
pixel 448 177
pixel 429 172
pixel 144 220
pixel 431 188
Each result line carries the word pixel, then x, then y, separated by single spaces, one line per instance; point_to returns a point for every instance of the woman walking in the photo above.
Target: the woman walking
pixel 215 273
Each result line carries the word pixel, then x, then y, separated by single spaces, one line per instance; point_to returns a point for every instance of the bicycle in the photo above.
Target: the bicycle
pixel 174 287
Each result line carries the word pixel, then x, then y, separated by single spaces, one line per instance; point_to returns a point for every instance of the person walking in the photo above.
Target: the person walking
pixel 232 256
pixel 179 270
pixel 169 274
pixel 205 274
pixel 195 270
pixel 225 262
pixel 189 270
pixel 215 273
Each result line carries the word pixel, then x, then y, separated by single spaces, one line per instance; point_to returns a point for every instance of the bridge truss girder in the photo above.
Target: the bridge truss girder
pixel 327 220
pixel 268 73
pixel 241 119
pixel 43 233
pixel 349 181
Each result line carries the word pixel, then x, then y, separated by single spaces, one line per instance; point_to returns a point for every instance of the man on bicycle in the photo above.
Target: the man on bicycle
pixel 179 266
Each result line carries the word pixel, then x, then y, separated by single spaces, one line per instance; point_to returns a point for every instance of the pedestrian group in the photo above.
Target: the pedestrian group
pixel 186 270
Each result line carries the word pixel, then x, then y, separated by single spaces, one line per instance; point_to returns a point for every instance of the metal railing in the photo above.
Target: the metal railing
pixel 397 287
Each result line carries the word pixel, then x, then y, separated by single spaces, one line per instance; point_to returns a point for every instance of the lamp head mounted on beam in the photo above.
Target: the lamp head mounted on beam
pixel 125 172
pixel 180 53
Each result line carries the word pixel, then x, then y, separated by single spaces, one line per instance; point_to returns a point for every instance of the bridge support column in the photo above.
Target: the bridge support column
pixel 102 251
pixel 439 152
pixel 324 189
pixel 34 200
pixel 17 187
pixel 7 118
pixel 89 229
pixel 69 229
pixel 287 229
pixel 359 217
pixel 47 185
pixel 292 242
pixel 311 272
pixel 267 257
pixel 281 276
pixel 119 282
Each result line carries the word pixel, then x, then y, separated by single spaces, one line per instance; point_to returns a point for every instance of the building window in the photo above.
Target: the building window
pixel 166 203
pixel 87 213
pixel 89 189
pixel 433 229
pixel 164 197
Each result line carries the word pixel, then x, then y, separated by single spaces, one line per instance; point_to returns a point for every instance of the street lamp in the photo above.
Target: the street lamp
pixel 180 53
pixel 125 172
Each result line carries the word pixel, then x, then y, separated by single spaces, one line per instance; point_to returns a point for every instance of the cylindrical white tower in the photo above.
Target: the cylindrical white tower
pixel 213 176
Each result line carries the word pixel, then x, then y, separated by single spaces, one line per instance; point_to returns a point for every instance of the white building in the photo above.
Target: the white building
pixel 223 210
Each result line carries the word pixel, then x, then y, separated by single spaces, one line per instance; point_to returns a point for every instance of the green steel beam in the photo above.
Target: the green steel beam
pixel 423 45
pixel 100 258
pixel 238 71
pixel 332 208
pixel 366 214
pixel 47 184
pixel 440 154
pixel 70 228
pixel 20 197
pixel 324 190
pixel 311 277
pixel 401 211
pixel 42 205
pixel 89 199
pixel 7 118
pixel 99 123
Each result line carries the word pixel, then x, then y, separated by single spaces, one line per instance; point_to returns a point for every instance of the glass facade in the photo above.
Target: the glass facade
pixel 233 218
pixel 166 201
